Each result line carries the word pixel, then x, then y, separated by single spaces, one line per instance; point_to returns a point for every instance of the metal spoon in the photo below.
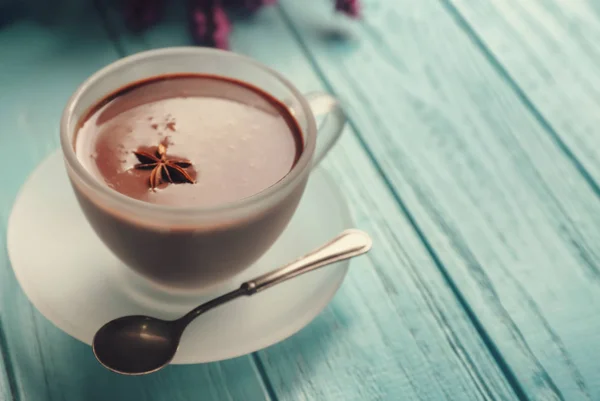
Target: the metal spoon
pixel 137 345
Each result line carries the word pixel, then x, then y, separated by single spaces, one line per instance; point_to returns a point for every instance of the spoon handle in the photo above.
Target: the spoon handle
pixel 348 244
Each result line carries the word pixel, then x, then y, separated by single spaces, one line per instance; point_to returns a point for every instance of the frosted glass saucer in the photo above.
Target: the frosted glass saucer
pixel 77 284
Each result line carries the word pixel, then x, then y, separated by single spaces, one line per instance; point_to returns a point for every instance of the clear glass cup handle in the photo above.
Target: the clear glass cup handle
pixel 330 129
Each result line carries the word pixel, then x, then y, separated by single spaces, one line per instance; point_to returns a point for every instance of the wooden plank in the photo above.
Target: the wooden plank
pixel 549 50
pixel 5 380
pixel 40 66
pixel 395 330
pixel 515 226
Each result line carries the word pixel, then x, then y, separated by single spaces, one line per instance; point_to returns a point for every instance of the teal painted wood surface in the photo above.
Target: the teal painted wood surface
pixel 5 387
pixel 549 50
pixel 483 284
pixel 511 219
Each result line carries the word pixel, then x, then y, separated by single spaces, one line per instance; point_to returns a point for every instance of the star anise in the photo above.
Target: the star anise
pixel 164 169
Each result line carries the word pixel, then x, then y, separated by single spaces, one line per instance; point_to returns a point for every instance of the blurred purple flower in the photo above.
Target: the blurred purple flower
pixel 209 23
pixel 222 27
pixel 348 7
pixel 249 5
pixel 142 14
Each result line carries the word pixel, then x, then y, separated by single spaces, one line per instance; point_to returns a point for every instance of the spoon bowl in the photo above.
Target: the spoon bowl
pixel 135 345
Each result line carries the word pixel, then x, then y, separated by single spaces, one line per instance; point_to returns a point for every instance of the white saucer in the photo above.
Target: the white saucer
pixel 77 284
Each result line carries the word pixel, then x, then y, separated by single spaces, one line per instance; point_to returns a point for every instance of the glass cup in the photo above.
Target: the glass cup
pixel 195 248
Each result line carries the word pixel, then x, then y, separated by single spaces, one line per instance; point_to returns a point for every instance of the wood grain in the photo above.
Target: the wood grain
pixel 512 221
pixel 6 392
pixel 549 52
pixel 395 330
pixel 40 66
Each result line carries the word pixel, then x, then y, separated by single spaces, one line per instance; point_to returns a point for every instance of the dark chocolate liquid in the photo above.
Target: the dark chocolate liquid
pixel 239 139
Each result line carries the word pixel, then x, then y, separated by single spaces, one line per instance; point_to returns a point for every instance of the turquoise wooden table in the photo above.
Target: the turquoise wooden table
pixel 472 157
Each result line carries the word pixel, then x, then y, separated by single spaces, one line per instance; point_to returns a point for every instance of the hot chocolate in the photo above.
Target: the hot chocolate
pixel 189 140
pixel 199 145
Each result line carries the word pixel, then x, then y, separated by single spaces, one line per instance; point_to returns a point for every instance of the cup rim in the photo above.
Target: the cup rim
pixel 137 205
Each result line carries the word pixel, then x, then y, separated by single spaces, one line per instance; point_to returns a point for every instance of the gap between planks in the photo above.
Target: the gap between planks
pixel 502 71
pixel 486 338
pixel 560 208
